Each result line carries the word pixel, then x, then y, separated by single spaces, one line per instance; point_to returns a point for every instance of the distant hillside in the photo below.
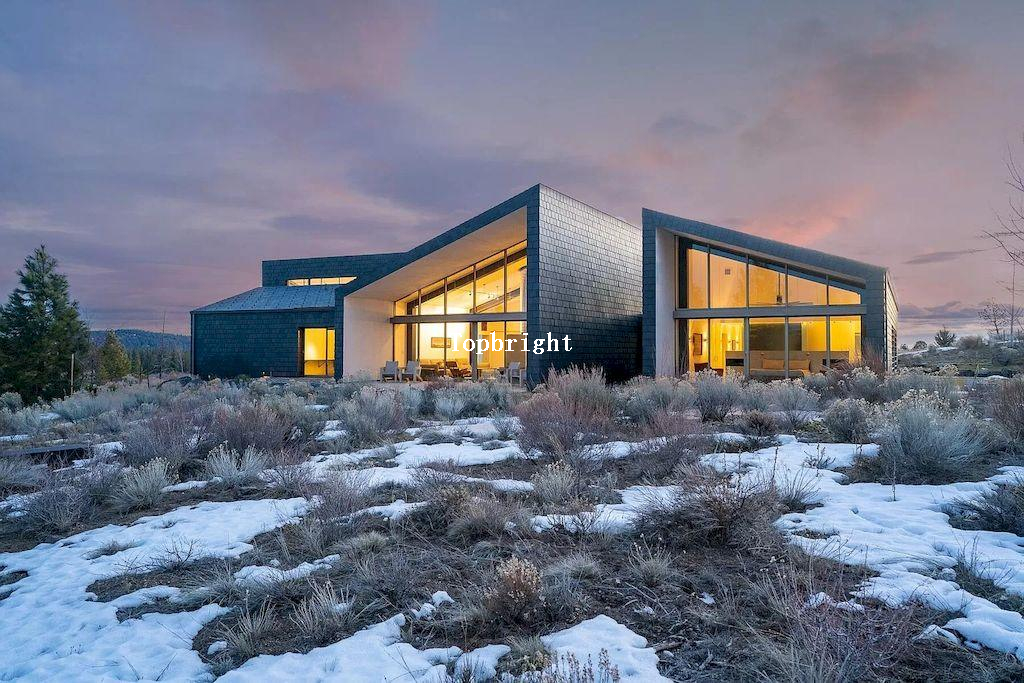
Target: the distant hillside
pixel 144 339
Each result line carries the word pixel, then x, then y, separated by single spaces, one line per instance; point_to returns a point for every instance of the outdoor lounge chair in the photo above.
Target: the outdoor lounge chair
pixel 514 372
pixel 390 371
pixel 412 371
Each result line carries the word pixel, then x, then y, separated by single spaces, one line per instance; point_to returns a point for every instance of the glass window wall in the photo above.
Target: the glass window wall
pixel 735 281
pixel 845 334
pixel 806 289
pixel 728 281
pixel 496 284
pixel 808 346
pixel 767 284
pixel 696 279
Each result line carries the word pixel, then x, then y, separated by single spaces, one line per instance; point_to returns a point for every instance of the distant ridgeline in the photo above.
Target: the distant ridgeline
pixel 144 339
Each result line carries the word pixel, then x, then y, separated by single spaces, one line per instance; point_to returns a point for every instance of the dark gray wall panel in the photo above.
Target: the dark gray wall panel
pixel 254 344
pixel 585 275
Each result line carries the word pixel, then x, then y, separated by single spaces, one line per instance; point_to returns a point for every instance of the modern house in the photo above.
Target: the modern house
pixel 740 304
pixel 535 268
pixel 678 296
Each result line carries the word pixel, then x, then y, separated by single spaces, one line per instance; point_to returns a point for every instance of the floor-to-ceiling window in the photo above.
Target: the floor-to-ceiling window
pixel 801 338
pixel 494 286
pixel 317 351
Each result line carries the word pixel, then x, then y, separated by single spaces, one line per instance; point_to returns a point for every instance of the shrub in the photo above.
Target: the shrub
pixel 57 507
pixel 584 393
pixel 556 484
pixel 251 424
pixel 433 437
pixel 708 509
pixel 323 613
pixel 811 637
pixel 547 425
pixel 897 384
pixel 449 403
pixel 652 566
pixel 506 427
pixel 339 495
pixel 818 382
pixel 999 510
pixel 142 486
pixel 970 341
pixel 647 398
pixel 578 564
pixel 848 419
pixel 926 443
pixel 81 406
pixel 99 480
pixel 17 474
pixel 715 396
pixel 483 517
pixel 24 421
pixel 861 382
pixel 173 435
pixel 1008 408
pixel 760 426
pixel 244 637
pixel 373 416
pixel 794 401
pixel 291 472
pixel 233 469
pixel 515 592
pixel 756 396
pixel 11 401
pixel 108 423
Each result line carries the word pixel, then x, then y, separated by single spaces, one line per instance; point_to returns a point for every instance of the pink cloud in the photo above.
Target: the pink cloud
pixel 806 221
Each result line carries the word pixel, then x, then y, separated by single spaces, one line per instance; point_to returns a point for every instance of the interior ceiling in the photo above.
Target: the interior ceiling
pixel 479 244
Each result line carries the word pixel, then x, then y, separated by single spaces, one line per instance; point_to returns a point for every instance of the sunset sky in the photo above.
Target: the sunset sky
pixel 162 149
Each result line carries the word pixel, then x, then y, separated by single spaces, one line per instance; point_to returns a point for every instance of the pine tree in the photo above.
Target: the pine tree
pixel 114 362
pixel 39 330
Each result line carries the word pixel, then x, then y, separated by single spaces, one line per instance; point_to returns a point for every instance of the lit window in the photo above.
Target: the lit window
pixel 317 344
pixel 306 281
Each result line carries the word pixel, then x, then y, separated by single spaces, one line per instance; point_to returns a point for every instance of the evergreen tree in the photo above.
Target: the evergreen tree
pixel 114 362
pixel 39 330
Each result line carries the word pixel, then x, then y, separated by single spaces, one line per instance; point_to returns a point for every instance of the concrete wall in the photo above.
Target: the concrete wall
pixel 228 344
pixel 666 274
pixel 584 279
pixel 368 342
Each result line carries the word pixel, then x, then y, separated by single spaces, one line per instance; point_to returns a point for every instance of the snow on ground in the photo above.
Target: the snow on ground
pixel 372 655
pixel 609 518
pixel 261 575
pixel 54 630
pixel 465 454
pixel 908 540
pixel 627 651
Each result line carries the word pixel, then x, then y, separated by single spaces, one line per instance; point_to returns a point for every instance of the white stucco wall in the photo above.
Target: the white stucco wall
pixel 367 335
pixel 664 301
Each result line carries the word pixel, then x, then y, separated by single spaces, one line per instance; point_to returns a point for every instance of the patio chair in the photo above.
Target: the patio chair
pixel 514 372
pixel 390 371
pixel 412 371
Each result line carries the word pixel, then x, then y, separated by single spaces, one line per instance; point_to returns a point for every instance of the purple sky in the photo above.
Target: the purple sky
pixel 162 149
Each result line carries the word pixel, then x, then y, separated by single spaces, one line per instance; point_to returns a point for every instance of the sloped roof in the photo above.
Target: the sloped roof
pixel 762 245
pixel 278 298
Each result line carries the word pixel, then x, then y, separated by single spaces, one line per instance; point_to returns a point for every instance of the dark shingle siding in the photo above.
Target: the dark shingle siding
pixel 228 344
pixel 278 272
pixel 586 283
